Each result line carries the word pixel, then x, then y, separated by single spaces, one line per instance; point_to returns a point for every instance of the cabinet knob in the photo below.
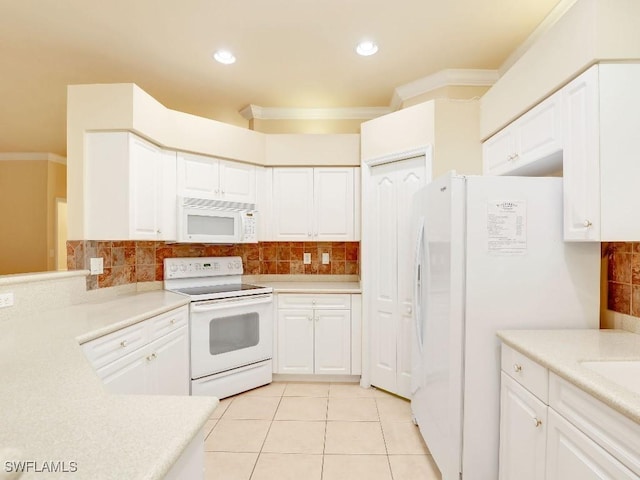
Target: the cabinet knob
pixel 310 318
pixel 409 310
pixel 124 343
pixel 173 321
pixel 317 319
pixel 517 368
pixel 308 234
pixel 153 356
pixel 587 224
pixel 217 191
pixel 158 231
pixel 537 422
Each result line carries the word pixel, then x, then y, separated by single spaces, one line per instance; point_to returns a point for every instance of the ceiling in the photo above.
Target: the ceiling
pixel 291 53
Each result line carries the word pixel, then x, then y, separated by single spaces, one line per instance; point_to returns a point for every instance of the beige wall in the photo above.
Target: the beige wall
pixel 56 188
pixel 23 209
pixel 28 192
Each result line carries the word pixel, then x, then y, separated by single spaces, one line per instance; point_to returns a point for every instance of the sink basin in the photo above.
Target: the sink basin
pixel 625 373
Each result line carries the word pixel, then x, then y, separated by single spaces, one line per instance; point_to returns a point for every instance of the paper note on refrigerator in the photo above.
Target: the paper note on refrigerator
pixel 507 227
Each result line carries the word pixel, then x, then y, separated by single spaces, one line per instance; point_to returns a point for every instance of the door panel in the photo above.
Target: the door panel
pixel 295 341
pixel 332 342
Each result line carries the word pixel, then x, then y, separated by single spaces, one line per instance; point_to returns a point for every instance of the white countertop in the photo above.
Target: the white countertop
pixel 53 406
pixel 561 351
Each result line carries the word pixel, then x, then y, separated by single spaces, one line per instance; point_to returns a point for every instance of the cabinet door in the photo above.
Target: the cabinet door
pixel 333 209
pixel 539 136
pixel 295 341
pixel 581 158
pixel 498 152
pixel 129 374
pixel 170 364
pixel 523 429
pixel 571 454
pixel 332 342
pixel 237 182
pixel 198 176
pixel 145 170
pixel 292 203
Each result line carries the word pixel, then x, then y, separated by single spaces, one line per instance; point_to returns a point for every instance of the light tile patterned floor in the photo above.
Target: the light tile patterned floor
pixel 315 431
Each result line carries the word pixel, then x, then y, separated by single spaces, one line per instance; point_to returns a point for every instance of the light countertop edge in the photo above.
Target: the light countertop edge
pixel 562 351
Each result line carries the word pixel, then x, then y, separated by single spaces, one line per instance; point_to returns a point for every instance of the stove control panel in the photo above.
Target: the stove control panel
pixel 202 267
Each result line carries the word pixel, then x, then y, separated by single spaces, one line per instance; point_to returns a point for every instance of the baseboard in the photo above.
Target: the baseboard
pixel 292 377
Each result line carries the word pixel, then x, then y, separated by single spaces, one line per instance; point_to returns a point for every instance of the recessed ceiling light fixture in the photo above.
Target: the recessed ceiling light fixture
pixel 366 48
pixel 225 57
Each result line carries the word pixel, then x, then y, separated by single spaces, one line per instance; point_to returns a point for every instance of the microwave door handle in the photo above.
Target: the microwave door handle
pixel 232 302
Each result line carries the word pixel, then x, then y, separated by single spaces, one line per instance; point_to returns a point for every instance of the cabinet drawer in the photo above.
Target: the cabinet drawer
pixel 526 372
pixel 617 434
pixel 324 301
pixel 168 322
pixel 111 347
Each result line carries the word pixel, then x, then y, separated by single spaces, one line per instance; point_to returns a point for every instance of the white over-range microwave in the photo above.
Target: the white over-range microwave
pixel 202 220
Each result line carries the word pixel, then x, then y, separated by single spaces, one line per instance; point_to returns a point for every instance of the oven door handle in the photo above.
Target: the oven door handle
pixel 213 305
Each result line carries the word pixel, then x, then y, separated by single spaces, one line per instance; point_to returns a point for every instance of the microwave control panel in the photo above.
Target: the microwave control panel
pixel 250 231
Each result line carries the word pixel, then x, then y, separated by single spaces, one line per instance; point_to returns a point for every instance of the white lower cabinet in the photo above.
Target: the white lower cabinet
pixel 574 455
pixel 150 357
pixel 523 427
pixel 565 435
pixel 315 334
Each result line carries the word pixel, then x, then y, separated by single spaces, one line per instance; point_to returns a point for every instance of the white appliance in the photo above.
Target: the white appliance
pixel 231 324
pixel 489 256
pixel 202 220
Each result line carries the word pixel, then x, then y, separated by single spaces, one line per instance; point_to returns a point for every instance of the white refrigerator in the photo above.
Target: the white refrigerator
pixel 490 256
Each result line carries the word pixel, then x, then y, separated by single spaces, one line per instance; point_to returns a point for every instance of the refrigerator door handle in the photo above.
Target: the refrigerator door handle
pixel 417 285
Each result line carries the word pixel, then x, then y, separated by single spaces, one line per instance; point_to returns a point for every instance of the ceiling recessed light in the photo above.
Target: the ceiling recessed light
pixel 366 48
pixel 224 56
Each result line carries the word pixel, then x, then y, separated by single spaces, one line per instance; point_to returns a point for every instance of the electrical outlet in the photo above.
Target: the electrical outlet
pixel 97 266
pixel 306 258
pixel 6 300
pixel 325 259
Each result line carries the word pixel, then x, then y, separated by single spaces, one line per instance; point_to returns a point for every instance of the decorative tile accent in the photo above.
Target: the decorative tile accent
pixel 142 261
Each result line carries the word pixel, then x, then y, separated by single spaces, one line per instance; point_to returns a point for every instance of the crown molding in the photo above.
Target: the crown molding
pixel 443 78
pixel 251 112
pixel 31 156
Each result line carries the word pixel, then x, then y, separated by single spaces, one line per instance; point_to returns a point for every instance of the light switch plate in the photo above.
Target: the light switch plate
pixel 6 299
pixel 325 259
pixel 97 266
pixel 306 258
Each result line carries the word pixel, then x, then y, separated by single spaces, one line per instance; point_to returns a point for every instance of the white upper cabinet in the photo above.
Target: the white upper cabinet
pixel 601 169
pixel 530 145
pixel 130 188
pixel 216 179
pixel 314 204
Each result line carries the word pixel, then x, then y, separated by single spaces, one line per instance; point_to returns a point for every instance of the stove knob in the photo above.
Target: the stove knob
pixel 183 268
pixel 238 264
pixel 230 265
pixel 174 268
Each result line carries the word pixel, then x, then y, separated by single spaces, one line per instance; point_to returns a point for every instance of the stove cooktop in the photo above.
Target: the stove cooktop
pixel 215 289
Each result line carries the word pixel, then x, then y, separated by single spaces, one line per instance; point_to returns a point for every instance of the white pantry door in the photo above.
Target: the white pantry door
pixel 393 187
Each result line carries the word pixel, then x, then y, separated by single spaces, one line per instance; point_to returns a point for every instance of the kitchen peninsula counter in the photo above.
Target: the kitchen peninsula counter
pixel 54 408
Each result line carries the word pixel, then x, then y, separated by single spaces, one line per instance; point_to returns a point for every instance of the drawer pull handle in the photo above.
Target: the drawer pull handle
pixel 517 368
pixel 537 422
pixel 310 318
pixel 587 224
pixel 173 321
pixel 153 356
pixel 124 343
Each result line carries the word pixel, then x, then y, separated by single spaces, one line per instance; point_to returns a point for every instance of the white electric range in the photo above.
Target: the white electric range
pixel 231 324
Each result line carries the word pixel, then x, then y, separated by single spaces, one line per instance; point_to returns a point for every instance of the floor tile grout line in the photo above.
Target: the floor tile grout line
pixel 384 439
pixel 267 435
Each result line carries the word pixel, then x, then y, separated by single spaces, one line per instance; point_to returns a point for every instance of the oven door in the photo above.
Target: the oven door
pixel 209 225
pixel 230 333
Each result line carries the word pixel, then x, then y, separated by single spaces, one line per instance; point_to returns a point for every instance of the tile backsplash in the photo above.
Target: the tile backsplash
pixel 142 261
pixel 623 277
